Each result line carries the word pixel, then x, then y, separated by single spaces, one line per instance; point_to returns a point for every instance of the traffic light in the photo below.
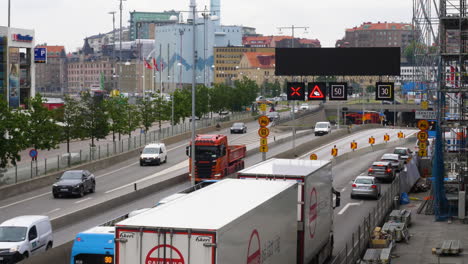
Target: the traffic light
pixel 296 91
pixel 316 91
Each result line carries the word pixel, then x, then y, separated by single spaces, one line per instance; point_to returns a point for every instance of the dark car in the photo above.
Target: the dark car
pixel 382 170
pixel 405 154
pixel 74 182
pixel 273 116
pixel 238 128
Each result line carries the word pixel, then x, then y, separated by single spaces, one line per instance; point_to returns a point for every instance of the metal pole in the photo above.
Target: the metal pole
pixel 113 45
pixel 194 62
pixel 120 49
pixel 9 13
pixel 160 70
pixel 172 114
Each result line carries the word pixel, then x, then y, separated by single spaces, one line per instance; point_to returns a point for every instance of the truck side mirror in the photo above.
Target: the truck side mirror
pixel 338 198
pixel 187 151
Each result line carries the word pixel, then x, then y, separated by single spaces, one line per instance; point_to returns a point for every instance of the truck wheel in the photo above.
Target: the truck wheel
pixel 49 246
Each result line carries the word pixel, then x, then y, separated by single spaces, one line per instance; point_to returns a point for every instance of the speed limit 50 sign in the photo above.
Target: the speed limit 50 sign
pixel 338 91
pixel 384 91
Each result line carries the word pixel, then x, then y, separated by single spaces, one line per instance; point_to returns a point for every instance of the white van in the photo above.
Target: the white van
pixel 154 153
pixel 322 128
pixel 24 236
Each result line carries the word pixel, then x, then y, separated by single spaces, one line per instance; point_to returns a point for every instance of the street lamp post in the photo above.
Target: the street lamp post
pixel 113 43
pixel 120 49
pixel 294 103
pixel 193 6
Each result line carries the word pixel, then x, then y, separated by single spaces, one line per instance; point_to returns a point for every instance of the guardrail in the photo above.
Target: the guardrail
pixel 62 161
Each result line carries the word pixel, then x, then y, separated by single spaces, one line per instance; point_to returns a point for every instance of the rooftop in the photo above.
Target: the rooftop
pixel 381 26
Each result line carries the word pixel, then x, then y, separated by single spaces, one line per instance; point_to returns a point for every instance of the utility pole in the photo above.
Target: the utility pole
pixel 193 6
pixel 294 103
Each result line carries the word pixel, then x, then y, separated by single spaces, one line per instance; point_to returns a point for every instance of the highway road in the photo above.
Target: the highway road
pixel 111 180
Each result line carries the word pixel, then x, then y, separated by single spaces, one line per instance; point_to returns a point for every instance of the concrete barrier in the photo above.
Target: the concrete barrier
pixel 56 255
pixel 49 179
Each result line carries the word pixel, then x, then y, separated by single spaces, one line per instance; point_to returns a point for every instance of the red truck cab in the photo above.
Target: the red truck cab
pixel 214 158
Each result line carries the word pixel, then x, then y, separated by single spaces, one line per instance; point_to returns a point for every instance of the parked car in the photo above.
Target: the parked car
pixel 397 164
pixel 24 236
pixel 405 154
pixel 238 128
pixel 223 112
pixel 304 106
pixel 382 170
pixel 154 153
pixel 365 186
pixel 74 182
pixel 196 118
pixel 322 128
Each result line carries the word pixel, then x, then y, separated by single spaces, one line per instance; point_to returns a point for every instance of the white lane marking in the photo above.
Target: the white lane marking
pixel 342 190
pixel 347 206
pixel 55 210
pixel 178 166
pixel 80 201
pixel 24 200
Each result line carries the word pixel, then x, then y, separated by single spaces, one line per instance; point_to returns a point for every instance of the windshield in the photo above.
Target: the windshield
pixel 322 125
pixel 389 157
pixel 206 152
pixel 150 151
pixel 71 175
pixel 400 151
pixel 12 233
pixel 238 125
pixel 363 181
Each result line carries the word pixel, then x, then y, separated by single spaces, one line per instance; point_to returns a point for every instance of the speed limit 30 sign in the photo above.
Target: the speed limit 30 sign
pixel 385 91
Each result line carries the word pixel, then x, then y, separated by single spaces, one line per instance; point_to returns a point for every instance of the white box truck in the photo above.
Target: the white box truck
pixel 231 221
pixel 315 202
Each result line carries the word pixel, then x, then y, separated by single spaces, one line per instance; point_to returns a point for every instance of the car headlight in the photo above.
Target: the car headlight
pixel 14 249
pixel 77 186
pixel 54 185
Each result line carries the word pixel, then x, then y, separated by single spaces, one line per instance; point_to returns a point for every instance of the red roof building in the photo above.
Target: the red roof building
pixel 279 42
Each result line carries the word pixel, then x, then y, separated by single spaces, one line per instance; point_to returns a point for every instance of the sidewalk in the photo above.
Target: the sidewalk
pixel 427 234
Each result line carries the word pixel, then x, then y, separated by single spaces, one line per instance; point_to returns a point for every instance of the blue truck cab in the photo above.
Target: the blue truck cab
pixel 94 246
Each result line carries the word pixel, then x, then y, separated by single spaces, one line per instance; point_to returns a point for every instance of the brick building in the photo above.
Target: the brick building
pixel 279 42
pixel 378 35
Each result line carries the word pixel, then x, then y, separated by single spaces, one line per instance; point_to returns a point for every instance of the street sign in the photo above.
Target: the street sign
pixel 422 135
pixel 386 137
pixel 422 152
pixel 423 124
pixel 263 132
pixel 263 142
pixel 313 156
pixel 334 152
pixel 425 105
pixel 338 91
pixel 422 144
pixel 353 145
pixel 263 121
pixel 385 91
pixel 40 55
pixel 401 135
pixel 263 107
pixel 316 91
pixel 296 91
pixel 372 140
pixel 430 115
pixel 33 153
pixel 263 148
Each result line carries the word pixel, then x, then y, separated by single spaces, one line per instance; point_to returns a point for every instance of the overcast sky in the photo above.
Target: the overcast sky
pixel 68 22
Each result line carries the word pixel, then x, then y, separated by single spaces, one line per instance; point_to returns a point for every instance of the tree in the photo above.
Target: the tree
pixel 115 107
pixel 42 132
pixel 182 104
pixel 219 97
pixel 244 93
pixel 323 78
pixel 12 139
pixel 95 120
pixel 146 107
pixel 202 99
pixel 131 118
pixel 72 120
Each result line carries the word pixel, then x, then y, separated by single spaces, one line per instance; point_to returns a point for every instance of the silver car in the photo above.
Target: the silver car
pixel 394 159
pixel 365 186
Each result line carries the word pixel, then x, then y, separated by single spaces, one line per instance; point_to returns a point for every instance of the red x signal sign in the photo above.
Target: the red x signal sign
pixel 296 91
pixel 316 91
